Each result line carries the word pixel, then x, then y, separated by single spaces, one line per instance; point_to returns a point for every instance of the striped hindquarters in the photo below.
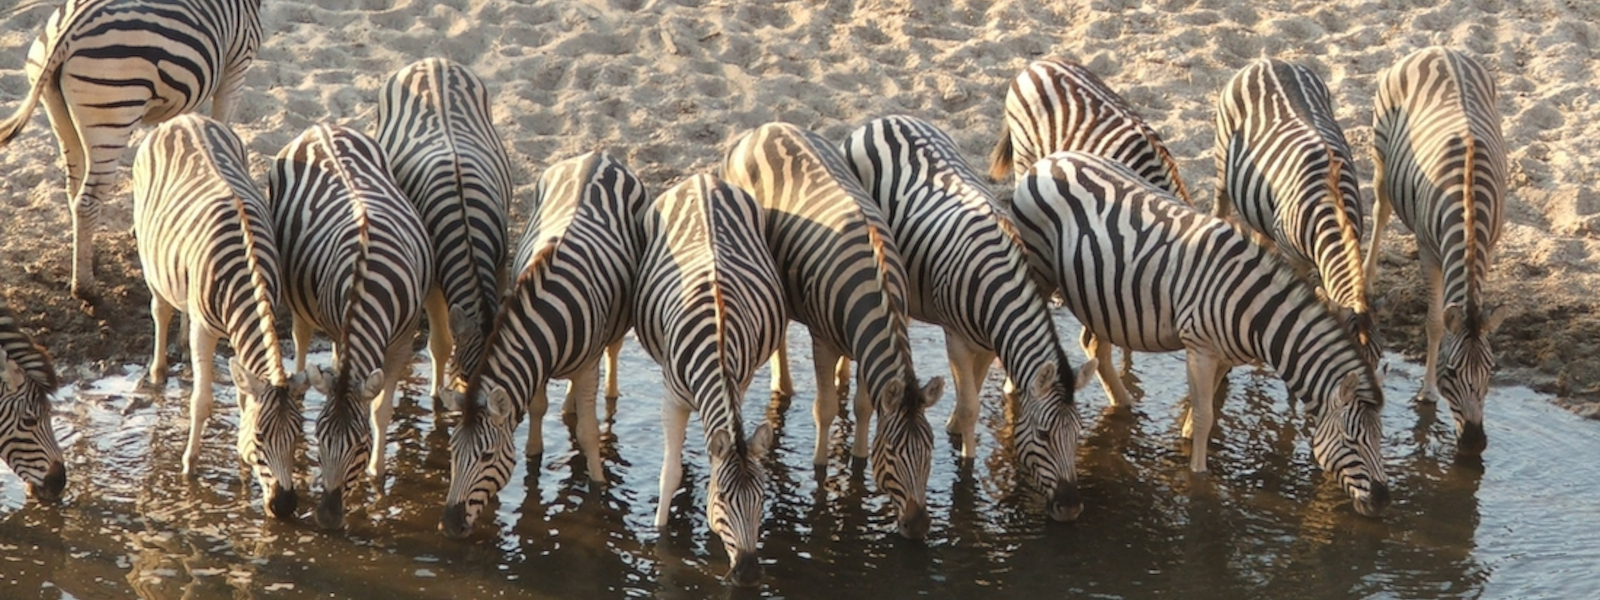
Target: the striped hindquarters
pixel 1283 164
pixel 1056 105
pixel 27 438
pixel 435 127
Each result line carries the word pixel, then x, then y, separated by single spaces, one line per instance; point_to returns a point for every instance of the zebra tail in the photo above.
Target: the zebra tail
pixel 1000 159
pixel 1347 231
pixel 1166 159
pixel 265 318
pixel 12 127
pixel 358 280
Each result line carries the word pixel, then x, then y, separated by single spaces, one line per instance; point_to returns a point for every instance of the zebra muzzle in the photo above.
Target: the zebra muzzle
pixel 1065 503
pixel 1472 440
pixel 49 489
pixel 330 512
pixel 746 571
pixel 283 502
pixel 454 524
pixel 914 521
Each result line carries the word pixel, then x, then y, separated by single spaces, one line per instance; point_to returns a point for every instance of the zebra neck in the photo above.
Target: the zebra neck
pixel 1031 345
pixel 1311 351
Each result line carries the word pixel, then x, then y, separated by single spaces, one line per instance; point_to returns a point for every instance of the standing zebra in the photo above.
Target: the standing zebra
pixel 710 310
pixel 207 248
pixel 103 66
pixel 27 439
pixel 434 126
pixel 1284 165
pixel 357 264
pixel 844 280
pixel 978 290
pixel 1441 166
pixel 1152 274
pixel 1056 105
pixel 571 299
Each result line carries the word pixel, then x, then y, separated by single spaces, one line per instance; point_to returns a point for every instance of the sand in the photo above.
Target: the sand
pixel 667 85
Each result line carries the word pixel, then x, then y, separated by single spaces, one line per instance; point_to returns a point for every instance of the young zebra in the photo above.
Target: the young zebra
pixel 979 291
pixel 104 66
pixel 27 439
pixel 1056 105
pixel 1441 166
pixel 435 127
pixel 357 264
pixel 1283 164
pixel 208 249
pixel 1149 273
pixel 844 280
pixel 571 299
pixel 710 311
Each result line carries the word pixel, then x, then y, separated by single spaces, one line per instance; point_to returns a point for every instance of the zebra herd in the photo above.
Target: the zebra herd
pixel 364 238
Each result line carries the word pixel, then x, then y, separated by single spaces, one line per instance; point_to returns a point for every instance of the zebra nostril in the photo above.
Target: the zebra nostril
pixel 915 522
pixel 330 512
pixel 283 503
pixel 454 523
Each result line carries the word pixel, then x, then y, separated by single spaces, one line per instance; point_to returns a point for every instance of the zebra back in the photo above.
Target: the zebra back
pixel 435 127
pixel 27 437
pixel 1284 164
pixel 1145 271
pixel 1056 105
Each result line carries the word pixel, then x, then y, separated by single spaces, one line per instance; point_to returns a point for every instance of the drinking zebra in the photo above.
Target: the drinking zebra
pixel 27 439
pixel 978 290
pixel 1441 166
pixel 207 248
pixel 104 66
pixel 357 265
pixel 844 280
pixel 1147 272
pixel 710 311
pixel 1283 164
pixel 571 299
pixel 435 127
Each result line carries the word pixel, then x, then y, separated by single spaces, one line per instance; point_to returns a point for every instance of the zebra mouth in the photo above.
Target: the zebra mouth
pixel 1065 503
pixel 50 487
pixel 455 524
pixel 330 512
pixel 283 503
pixel 914 521
pixel 1472 441
pixel 1371 503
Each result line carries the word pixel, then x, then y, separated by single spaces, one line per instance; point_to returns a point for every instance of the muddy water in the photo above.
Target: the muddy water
pixel 1265 523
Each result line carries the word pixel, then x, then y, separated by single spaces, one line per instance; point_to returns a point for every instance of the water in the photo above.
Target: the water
pixel 1264 523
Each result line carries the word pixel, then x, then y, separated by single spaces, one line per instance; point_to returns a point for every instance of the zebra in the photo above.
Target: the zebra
pixel 104 66
pixel 27 438
pixel 979 290
pixel 1152 274
pixel 435 128
pixel 208 249
pixel 843 278
pixel 1441 166
pixel 571 299
pixel 1283 164
pixel 357 263
pixel 710 311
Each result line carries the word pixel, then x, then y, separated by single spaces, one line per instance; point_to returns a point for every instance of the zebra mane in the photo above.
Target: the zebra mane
pixel 266 319
pixel 1468 218
pixel 1166 159
pixel 718 309
pixel 1347 230
pixel 358 271
pixel 1000 158
pixel 897 318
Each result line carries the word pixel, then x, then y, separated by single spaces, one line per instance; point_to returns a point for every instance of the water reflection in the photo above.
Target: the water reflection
pixel 1264 523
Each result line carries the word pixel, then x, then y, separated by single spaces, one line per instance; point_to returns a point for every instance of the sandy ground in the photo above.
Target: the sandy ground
pixel 667 85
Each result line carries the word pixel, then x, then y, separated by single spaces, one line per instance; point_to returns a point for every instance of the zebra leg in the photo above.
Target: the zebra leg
pixel 1382 208
pixel 968 367
pixel 1100 349
pixel 222 100
pixel 824 360
pixel 382 409
pixel 841 376
pixel 674 423
pixel 782 383
pixel 1435 326
pixel 863 414
pixel 1202 368
pixel 439 339
pixel 203 345
pixel 536 409
pixel 612 393
pixel 301 328
pixel 583 386
pixel 72 151
pixel 103 131
pixel 161 313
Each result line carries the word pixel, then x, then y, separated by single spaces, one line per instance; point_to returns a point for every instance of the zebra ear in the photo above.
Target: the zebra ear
pixel 760 441
pixel 1043 380
pixel 373 385
pixel 320 379
pixel 1085 371
pixel 1454 314
pixel 1347 388
pixel 499 404
pixel 1493 317
pixel 298 383
pixel 459 321
pixel 719 445
pixel 931 391
pixel 451 399
pixel 894 392
pixel 14 375
pixel 243 379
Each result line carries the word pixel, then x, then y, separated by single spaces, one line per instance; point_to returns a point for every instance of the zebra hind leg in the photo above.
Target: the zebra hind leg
pixel 161 314
pixel 826 406
pixel 968 367
pixel 583 386
pixel 1202 370
pixel 103 129
pixel 675 422
pixel 1100 349
pixel 204 345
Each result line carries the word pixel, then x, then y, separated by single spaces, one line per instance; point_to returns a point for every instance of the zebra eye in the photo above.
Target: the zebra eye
pixel 486 457
pixel 29 422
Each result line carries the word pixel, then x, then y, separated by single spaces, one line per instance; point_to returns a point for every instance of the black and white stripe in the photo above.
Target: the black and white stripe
pixel 710 311
pixel 1056 105
pixel 1284 167
pixel 357 264
pixel 208 249
pixel 571 299
pixel 104 66
pixel 968 273
pixel 27 438
pixel 1146 272
pixel 1441 166
pixel 843 278
pixel 434 124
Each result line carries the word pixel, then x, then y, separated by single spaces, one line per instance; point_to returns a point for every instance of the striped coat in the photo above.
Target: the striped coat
pixel 27 438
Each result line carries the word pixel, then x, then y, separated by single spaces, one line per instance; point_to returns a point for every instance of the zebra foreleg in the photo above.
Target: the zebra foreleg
pixel 203 345
pixel 1435 327
pixel 301 330
pixel 674 422
pixel 782 382
pixel 1202 370
pixel 382 409
pixel 439 341
pixel 968 367
pixel 824 360
pixel 536 409
pixel 161 314
pixel 583 387
pixel 1100 349
pixel 612 393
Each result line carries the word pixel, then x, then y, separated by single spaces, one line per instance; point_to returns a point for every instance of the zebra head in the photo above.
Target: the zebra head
pixel 902 451
pixel 1465 366
pixel 27 439
pixel 269 433
pixel 344 437
pixel 735 499
pixel 1348 438
pixel 481 457
pixel 1047 435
